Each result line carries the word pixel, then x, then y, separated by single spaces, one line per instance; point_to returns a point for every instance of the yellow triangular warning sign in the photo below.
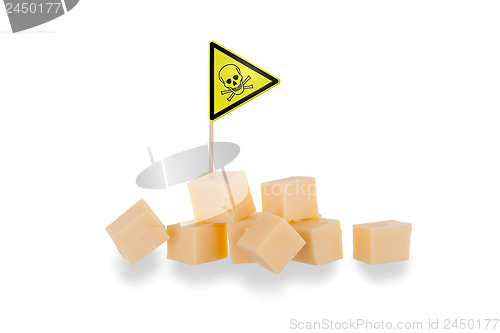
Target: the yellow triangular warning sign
pixel 233 81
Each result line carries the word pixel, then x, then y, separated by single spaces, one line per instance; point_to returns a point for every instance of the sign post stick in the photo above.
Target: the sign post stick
pixel 211 147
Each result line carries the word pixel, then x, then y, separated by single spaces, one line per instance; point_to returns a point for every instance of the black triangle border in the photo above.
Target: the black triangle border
pixel 214 116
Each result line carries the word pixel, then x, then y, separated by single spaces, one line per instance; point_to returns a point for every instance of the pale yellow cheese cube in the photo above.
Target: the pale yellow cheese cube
pixel 271 242
pixel 323 241
pixel 197 243
pixel 381 242
pixel 234 231
pixel 137 232
pixel 213 199
pixel 292 198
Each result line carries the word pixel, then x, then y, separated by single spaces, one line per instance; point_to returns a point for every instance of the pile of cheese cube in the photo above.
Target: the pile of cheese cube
pixel 288 228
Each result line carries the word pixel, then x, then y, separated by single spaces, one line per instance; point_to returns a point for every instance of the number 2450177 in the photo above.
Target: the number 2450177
pixel 469 324
pixel 33 8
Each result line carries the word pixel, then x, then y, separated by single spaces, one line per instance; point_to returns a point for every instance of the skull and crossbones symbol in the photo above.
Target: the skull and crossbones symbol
pixel 231 78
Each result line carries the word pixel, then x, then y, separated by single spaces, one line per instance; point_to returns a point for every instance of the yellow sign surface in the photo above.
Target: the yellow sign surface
pixel 233 81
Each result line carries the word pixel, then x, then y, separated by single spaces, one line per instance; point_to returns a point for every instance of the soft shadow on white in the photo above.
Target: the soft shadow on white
pixel 145 267
pixel 27 32
pixel 253 275
pixel 383 272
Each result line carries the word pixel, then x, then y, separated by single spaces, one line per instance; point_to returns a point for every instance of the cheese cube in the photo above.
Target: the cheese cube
pixel 323 241
pixel 292 198
pixel 197 243
pixel 137 232
pixel 234 232
pixel 381 242
pixel 213 199
pixel 271 242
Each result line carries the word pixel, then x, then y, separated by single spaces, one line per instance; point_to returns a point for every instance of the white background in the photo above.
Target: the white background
pixel 392 105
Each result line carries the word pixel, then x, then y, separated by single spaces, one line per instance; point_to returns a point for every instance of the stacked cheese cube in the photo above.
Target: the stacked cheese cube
pixel 289 228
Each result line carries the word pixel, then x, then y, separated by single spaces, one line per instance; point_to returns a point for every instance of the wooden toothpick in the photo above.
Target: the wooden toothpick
pixel 211 147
